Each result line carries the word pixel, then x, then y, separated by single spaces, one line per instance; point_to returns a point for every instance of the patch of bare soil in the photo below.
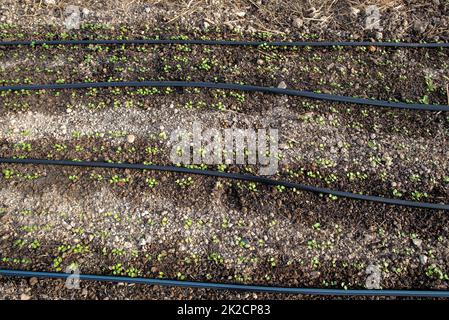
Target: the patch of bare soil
pixel 347 19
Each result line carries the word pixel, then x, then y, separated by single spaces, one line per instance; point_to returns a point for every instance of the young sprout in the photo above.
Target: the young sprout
pixel 280 188
pixel 118 180
pixel 35 244
pixel 151 182
pixel 57 263
pixel 180 276
pixel 7 173
pixel 132 272
pixel 188 223
pixel 73 178
pixel 184 182
pixel 117 269
pixel 252 186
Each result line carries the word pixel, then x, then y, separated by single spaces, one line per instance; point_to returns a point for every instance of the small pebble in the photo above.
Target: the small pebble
pixel 419 26
pixel 131 138
pixel 423 259
pixel 24 296
pixel 417 242
pixel 355 11
pixel 33 281
pixel 298 22
pixel 282 85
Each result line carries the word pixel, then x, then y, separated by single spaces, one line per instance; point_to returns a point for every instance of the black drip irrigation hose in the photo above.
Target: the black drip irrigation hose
pixel 234 176
pixel 227 43
pixel 229 86
pixel 226 286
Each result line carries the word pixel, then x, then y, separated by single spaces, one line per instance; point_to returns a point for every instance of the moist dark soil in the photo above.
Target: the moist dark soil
pixel 152 224
pixel 158 237
pixel 407 75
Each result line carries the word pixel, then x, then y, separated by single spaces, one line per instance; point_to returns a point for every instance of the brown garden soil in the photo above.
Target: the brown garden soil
pixel 151 224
